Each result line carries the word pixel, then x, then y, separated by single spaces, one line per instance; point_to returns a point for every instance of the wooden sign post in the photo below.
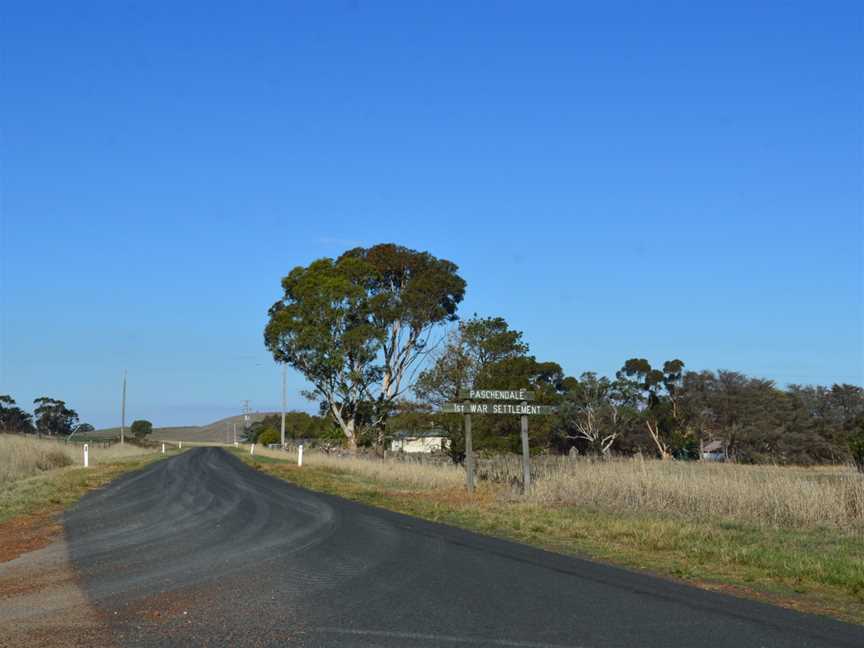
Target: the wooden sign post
pixel 526 457
pixel 469 455
pixel 523 409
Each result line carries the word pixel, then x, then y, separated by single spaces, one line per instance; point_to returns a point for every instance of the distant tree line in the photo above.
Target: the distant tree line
pixel 298 425
pixel 664 411
pixel 50 417
pixel 361 329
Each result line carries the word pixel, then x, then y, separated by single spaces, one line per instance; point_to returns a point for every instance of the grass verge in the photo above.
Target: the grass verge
pixel 54 490
pixel 818 570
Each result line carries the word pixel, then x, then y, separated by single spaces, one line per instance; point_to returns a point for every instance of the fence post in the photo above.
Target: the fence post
pixel 300 455
pixel 86 456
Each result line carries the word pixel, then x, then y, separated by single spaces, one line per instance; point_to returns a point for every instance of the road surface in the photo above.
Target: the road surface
pixel 202 550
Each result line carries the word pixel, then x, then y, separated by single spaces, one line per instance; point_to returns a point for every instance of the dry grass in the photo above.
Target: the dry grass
pixel 22 457
pixel 389 471
pixel 764 496
pixel 761 496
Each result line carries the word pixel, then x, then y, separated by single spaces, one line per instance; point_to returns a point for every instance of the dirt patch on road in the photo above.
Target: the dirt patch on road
pixel 28 533
pixel 41 603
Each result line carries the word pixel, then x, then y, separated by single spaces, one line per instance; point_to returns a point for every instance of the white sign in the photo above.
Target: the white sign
pixel 498 408
pixel 497 394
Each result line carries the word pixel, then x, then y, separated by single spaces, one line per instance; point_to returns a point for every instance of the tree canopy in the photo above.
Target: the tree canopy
pixel 53 417
pixel 141 428
pixel 358 326
pixel 12 417
pixel 486 353
pixel 362 329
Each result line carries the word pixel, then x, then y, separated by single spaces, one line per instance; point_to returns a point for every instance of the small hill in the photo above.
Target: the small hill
pixel 220 431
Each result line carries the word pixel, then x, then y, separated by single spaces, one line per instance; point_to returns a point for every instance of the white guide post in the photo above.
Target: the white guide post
pixel 180 446
pixel 252 449
pixel 236 445
pixel 300 455
pixel 163 448
pixel 86 455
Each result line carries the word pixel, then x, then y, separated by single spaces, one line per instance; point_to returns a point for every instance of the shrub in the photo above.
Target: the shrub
pixel 268 436
pixel 141 428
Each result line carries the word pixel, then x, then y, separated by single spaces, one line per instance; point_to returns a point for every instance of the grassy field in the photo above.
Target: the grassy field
pixel 38 475
pixel 792 536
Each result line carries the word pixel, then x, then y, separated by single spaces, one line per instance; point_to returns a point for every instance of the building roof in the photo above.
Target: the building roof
pixel 713 446
pixel 420 434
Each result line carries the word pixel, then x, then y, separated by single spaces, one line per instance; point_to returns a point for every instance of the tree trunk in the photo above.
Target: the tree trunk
pixel 662 448
pixel 349 429
pixel 379 441
pixel 352 444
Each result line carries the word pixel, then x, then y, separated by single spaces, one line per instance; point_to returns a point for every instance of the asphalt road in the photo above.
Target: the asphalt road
pixel 202 550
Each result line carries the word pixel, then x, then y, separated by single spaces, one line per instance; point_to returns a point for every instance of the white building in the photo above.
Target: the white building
pixel 714 451
pixel 433 440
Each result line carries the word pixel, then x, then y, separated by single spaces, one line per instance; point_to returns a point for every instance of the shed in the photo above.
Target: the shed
pixel 714 451
pixel 431 440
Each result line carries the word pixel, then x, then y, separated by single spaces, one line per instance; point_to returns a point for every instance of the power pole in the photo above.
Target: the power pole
pixel 284 397
pixel 246 411
pixel 123 412
pixel 235 433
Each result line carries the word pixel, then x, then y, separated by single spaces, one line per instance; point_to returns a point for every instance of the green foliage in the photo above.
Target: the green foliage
pixel 13 418
pixel 355 325
pixel 594 412
pixel 489 340
pixel 298 425
pixel 503 433
pixel 660 391
pixel 474 346
pixel 669 412
pixel 141 428
pixel 269 435
pixel 486 352
pixel 53 417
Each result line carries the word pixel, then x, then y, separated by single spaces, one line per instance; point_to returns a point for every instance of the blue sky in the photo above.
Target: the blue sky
pixel 615 179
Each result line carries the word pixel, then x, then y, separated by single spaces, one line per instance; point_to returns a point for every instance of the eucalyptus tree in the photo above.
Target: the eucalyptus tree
pixel 462 362
pixel 53 417
pixel 358 327
pixel 473 346
pixel 519 371
pixel 12 417
pixel 661 391
pixel 141 428
pixel 583 412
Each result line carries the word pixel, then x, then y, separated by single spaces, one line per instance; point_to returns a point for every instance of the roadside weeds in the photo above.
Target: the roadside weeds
pixel 51 491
